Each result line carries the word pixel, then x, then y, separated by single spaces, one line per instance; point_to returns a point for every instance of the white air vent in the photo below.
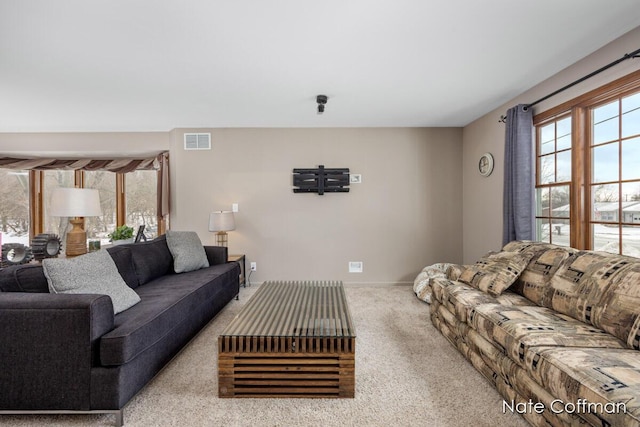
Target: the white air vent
pixel 197 141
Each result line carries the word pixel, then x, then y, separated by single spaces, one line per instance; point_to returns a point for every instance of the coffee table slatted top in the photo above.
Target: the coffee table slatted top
pixel 295 309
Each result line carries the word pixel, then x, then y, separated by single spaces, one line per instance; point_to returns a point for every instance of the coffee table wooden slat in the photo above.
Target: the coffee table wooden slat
pixel 291 339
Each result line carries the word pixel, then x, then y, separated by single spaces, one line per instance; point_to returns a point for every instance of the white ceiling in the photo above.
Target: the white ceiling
pixel 144 65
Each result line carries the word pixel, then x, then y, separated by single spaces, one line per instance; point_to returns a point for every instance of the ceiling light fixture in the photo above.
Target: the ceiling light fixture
pixel 321 100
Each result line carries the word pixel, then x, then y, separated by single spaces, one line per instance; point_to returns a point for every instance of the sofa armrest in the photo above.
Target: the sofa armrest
pixel 48 345
pixel 217 254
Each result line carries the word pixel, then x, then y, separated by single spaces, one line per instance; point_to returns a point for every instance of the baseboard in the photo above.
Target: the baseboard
pixel 362 284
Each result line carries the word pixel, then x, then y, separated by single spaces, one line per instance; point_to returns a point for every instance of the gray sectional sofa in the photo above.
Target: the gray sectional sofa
pixel 70 352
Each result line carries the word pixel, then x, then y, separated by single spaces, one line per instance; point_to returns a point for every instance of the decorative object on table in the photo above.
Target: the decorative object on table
pixel 46 246
pixel 121 235
pixel 14 254
pixel 75 203
pixel 94 245
pixel 321 180
pixel 140 237
pixel 221 222
pixel 485 164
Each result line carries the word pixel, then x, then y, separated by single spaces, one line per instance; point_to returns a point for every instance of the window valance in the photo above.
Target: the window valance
pixel 118 165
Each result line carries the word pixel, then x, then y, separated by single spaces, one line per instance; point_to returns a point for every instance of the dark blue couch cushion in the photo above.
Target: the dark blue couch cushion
pixel 23 278
pixel 123 259
pixel 165 303
pixel 151 259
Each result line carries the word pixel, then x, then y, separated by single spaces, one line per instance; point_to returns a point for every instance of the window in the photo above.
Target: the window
pixel 554 182
pixel 100 226
pixel 14 206
pixel 25 200
pixel 141 201
pixel 615 176
pixel 51 180
pixel 587 174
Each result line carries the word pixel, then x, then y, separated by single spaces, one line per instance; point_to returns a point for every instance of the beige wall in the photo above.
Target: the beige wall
pixel 404 215
pixel 482 197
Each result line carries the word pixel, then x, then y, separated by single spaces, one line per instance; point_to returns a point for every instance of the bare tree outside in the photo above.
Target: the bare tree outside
pixel 14 206
pixel 141 201
pixel 54 179
pixel 105 183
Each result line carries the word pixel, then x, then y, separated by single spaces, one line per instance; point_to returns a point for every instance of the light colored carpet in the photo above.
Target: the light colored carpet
pixel 407 374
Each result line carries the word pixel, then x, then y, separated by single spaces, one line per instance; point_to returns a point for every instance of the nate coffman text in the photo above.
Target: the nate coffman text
pixel 558 406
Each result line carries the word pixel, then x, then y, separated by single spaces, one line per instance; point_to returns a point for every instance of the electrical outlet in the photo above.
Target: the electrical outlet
pixel 355 178
pixel 356 266
pixel 234 207
pixel 254 266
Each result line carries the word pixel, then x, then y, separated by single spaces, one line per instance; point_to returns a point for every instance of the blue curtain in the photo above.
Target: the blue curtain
pixel 519 180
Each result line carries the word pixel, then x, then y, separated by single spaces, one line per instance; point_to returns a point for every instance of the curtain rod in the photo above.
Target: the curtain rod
pixel 634 54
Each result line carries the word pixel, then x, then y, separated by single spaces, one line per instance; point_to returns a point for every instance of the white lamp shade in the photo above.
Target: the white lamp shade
pixel 71 202
pixel 222 221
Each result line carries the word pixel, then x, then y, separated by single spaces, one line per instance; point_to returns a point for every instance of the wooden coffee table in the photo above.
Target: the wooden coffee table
pixel 291 339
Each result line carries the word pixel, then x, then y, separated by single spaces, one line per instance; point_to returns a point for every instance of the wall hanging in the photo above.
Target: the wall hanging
pixel 321 180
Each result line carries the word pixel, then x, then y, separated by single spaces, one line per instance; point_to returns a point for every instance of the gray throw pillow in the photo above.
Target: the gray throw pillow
pixel 187 250
pixel 93 273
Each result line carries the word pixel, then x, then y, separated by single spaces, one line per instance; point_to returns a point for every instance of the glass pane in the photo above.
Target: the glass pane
pixel 631 158
pixel 561 232
pixel 605 238
pixel 605 163
pixel 564 134
pixel 547 169
pixel 54 179
pixel 542 230
pixel 605 112
pixel 630 202
pixel 631 239
pixel 141 201
pixel 99 227
pixel 605 123
pixel 563 166
pixel 631 103
pixel 14 206
pixel 631 123
pixel 542 201
pixel 605 203
pixel 547 139
pixel 560 201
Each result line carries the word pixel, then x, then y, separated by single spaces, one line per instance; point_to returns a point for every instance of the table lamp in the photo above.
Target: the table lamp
pixel 221 221
pixel 75 203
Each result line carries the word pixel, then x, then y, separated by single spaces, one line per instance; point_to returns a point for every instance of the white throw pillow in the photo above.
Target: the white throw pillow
pixel 187 251
pixel 93 273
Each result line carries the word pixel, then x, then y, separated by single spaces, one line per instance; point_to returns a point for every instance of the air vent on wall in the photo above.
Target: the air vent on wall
pixel 197 141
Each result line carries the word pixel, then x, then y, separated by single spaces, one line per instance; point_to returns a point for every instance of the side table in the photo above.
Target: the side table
pixel 240 259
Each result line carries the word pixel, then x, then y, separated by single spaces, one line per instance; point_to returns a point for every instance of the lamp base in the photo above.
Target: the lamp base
pixel 221 238
pixel 76 238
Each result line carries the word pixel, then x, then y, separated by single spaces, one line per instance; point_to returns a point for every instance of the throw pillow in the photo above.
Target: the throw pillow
pixel 187 250
pixel 93 273
pixel 495 272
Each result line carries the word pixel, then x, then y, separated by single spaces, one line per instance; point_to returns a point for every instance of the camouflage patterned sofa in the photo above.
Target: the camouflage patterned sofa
pixel 554 329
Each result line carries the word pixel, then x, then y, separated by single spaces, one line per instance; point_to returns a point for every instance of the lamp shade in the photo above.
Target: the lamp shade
pixel 222 221
pixel 72 202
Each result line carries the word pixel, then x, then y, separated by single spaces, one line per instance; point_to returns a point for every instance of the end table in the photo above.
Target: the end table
pixel 240 259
